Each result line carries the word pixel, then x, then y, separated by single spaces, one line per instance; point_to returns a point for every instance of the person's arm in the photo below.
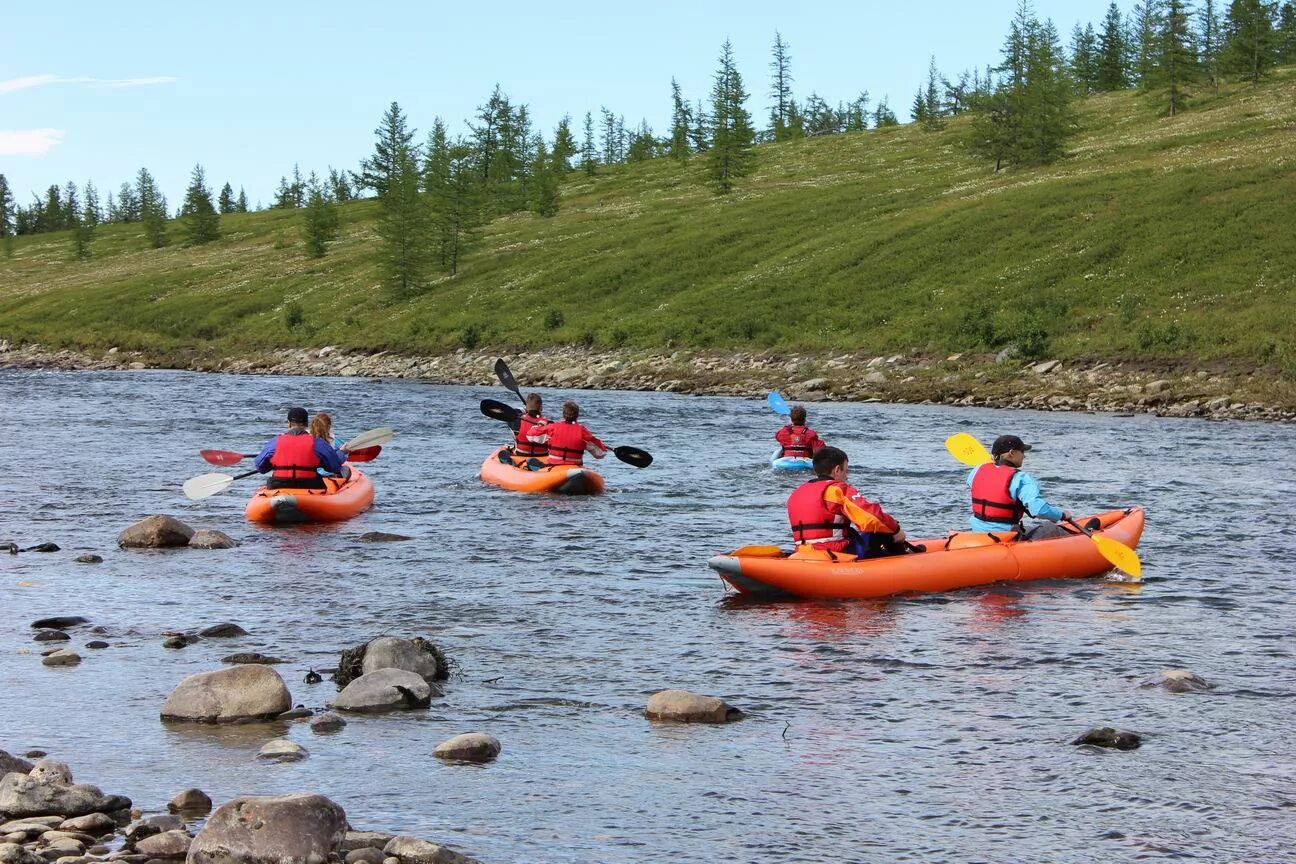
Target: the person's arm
pixel 263 458
pixel 816 443
pixel 539 434
pixel 330 460
pixel 781 436
pixel 1026 490
pixel 863 513
pixel 594 446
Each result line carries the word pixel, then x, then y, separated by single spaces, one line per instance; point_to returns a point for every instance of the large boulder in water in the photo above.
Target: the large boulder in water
pixel 239 693
pixel 385 690
pixel 155 532
pixel 684 706
pixel 416 655
pixel 283 829
pixel 22 795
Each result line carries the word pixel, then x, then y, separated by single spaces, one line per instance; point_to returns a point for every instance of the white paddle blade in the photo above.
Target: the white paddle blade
pixel 206 485
pixel 379 436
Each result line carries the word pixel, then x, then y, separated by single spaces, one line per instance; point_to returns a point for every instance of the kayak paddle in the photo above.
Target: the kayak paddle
pixel 508 414
pixel 371 438
pixel 229 457
pixel 970 451
pixel 206 485
pixel 778 404
pixel 506 378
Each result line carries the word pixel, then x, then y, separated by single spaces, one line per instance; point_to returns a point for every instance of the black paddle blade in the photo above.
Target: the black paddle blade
pixel 506 377
pixel 499 411
pixel 633 456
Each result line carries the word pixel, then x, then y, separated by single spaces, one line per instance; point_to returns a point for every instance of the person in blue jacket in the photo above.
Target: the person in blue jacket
pixel 293 457
pixel 1002 494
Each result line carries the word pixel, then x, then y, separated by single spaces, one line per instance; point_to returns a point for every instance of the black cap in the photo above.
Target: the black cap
pixel 297 415
pixel 1005 443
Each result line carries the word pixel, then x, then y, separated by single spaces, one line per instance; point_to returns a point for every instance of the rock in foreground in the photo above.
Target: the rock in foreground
pixel 284 829
pixel 155 532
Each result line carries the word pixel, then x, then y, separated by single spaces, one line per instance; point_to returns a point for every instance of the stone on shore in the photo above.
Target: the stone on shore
pixel 245 692
pixel 168 844
pixel 22 796
pixel 411 850
pixel 208 538
pixel 284 829
pixel 385 690
pixel 469 747
pixel 94 824
pixel 12 853
pixel 190 801
pixel 10 763
pixel 155 532
pixel 684 706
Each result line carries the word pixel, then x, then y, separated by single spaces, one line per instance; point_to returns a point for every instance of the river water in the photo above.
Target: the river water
pixel 930 728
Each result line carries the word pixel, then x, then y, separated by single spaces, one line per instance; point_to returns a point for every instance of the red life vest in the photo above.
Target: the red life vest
pixel 796 441
pixel 808 513
pixel 991 500
pixel 567 443
pixel 524 447
pixel 294 457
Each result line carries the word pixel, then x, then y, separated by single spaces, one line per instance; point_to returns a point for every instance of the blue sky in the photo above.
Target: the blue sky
pixel 93 91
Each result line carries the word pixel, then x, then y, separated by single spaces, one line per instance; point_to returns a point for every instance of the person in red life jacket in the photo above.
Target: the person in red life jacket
pixel 1002 494
pixel 567 439
pixel 797 439
pixel 523 446
pixel 827 513
pixel 291 458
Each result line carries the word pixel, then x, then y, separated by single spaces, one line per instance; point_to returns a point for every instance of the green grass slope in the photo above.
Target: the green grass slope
pixel 1157 238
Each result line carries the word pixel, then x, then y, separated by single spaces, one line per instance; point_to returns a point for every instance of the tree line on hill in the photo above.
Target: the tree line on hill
pixel 434 195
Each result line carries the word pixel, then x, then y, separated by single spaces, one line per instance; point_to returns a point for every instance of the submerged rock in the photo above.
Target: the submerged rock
pixel 245 692
pixel 684 706
pixel 382 537
pixel 251 657
pixel 1180 681
pixel 88 558
pixel 155 532
pixel 1106 736
pixel 59 622
pixel 411 850
pixel 222 631
pixel 469 747
pixel 282 750
pixel 208 538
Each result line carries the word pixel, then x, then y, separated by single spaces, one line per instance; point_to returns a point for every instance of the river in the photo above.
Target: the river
pixel 931 728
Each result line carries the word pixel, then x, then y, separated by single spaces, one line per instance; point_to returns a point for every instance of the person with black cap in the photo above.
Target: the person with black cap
pixel 293 457
pixel 1002 494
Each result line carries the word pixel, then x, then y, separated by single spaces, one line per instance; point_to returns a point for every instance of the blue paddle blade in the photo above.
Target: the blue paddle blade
pixel 778 405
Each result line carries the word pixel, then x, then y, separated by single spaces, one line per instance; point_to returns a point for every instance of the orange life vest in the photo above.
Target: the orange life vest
pixel 991 500
pixel 294 457
pixel 567 443
pixel 796 441
pixel 523 447
pixel 809 516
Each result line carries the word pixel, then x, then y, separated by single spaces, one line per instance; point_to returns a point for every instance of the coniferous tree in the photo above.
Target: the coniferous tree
pixel 1112 51
pixel 544 187
pixel 1249 39
pixel 933 118
pixel 1208 36
pixel 338 187
pixel 780 88
pixel 321 220
pixel 1287 33
pixel 394 142
pixel 8 225
pixel 732 136
pixel 1084 59
pixel 701 130
pixel 820 118
pixel 128 204
pixel 404 222
pixel 564 146
pixel 242 203
pixel 298 188
pixel 796 122
pixel 152 209
pixel 589 155
pixel 857 113
pixel 225 203
pixel 1147 43
pixel 458 204
pixel 91 212
pixel 83 230
pixel 643 145
pixel 608 130
pixel 436 179
pixel 677 146
pixel 1178 64
pixel 883 116
pixel 71 205
pixel 201 221
pixel 918 108
pixel 957 93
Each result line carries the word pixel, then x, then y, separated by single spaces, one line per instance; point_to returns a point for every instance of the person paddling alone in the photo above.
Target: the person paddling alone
pixel 291 458
pixel 1002 494
pixel 568 439
pixel 797 439
pixel 829 514
pixel 523 446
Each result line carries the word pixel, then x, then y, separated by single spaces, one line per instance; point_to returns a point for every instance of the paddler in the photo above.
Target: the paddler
pixel 568 440
pixel 797 439
pixel 523 446
pixel 1002 494
pixel 293 457
pixel 828 513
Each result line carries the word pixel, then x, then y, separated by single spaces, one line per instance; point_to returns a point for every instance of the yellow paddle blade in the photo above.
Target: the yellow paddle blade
pixel 1119 555
pixel 967 449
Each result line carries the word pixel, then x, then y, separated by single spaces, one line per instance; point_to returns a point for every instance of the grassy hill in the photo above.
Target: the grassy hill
pixel 1165 239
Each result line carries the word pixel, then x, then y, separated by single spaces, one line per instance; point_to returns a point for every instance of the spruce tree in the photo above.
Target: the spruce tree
pixel 780 88
pixel 242 203
pixel 1178 64
pixel 643 145
pixel 8 226
pixel 1250 41
pixel 564 146
pixel 110 210
pixel 201 221
pixel 732 136
pixel 611 144
pixel 1208 36
pixel 1084 59
pixel 404 224
pixel 71 205
pixel 321 220
pixel 857 113
pixel 699 134
pixel 883 116
pixel 92 213
pixel 1287 33
pixel 83 231
pixel 458 204
pixel 933 118
pixel 589 155
pixel 1112 51
pixel 394 142
pixel 677 146
pixel 1147 43
pixel 338 187
pixel 544 187
pixel 128 204
pixel 225 203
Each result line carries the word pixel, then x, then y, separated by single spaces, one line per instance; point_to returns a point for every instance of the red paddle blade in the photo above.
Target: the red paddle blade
pixel 364 454
pixel 221 457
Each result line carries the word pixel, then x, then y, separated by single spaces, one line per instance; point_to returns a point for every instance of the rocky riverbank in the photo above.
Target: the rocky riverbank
pixel 1003 381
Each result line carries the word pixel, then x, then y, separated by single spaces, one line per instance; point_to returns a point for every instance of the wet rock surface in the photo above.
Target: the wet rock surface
pixel 684 706
pixel 155 532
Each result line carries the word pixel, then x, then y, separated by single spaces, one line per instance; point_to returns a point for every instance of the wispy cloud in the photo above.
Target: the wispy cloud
pixel 29 142
pixel 13 85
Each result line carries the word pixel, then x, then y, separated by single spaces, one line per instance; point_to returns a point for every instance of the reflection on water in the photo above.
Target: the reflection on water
pixel 909 729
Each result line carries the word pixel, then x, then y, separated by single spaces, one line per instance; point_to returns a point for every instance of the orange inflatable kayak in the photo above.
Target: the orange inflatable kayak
pixel 339 499
pixel 962 560
pixel 559 479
